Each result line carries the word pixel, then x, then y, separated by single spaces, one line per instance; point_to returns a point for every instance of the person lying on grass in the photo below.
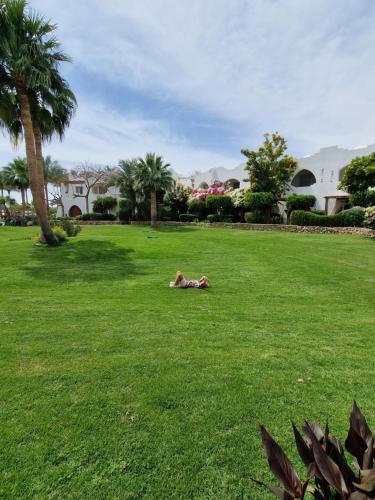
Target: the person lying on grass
pixel 181 282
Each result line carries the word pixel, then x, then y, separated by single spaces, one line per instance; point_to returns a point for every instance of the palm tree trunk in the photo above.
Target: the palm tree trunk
pixel 87 203
pixel 46 195
pixel 23 201
pixel 35 172
pixel 154 214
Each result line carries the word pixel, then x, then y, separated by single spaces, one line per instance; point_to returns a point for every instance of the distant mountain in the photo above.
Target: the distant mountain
pixel 213 174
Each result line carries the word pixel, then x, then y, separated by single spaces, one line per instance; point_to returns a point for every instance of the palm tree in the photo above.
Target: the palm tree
pixel 153 175
pixel 125 180
pixel 29 58
pixel 54 174
pixel 17 178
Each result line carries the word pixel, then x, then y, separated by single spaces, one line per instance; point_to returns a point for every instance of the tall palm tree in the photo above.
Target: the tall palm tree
pixel 29 59
pixel 17 177
pixel 153 175
pixel 53 173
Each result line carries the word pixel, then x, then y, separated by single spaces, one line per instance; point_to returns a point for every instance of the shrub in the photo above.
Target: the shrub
pixel 220 204
pixel 300 201
pixel 256 217
pixel 363 198
pixel 318 212
pixel 353 217
pixel 277 219
pixel 219 218
pixel 60 234
pixel 104 203
pixel 325 461
pixel 259 201
pixel 369 220
pixel 71 229
pixel 347 218
pixel 203 185
pixel 96 216
pixel 197 207
pixel 188 218
pixel 232 184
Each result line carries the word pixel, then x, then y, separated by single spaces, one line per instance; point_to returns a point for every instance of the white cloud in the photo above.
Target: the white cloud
pixel 304 68
pixel 103 136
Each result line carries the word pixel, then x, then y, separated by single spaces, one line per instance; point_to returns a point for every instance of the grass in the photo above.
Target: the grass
pixel 115 386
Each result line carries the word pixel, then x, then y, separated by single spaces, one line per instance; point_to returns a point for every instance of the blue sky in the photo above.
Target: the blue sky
pixel 197 80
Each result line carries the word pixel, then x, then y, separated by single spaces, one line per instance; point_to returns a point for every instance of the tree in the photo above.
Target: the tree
pixel 270 169
pixel 177 200
pixel 29 59
pixel 153 175
pixel 359 176
pixel 16 176
pixel 54 174
pixel 203 185
pixel 125 180
pixel 4 184
pixel 232 184
pixel 92 176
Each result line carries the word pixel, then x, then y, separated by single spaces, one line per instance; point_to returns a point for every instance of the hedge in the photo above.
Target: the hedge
pixel 221 204
pixel 259 201
pixel 188 218
pixel 96 216
pixel 219 218
pixel 300 201
pixel 353 217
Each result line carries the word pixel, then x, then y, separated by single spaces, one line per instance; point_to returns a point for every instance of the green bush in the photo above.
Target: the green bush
pixel 219 204
pixel 353 217
pixel 96 216
pixel 104 203
pixel 259 201
pixel 256 217
pixel 219 218
pixel 300 201
pixel 60 234
pixel 369 220
pixel 197 207
pixel 277 219
pixel 318 212
pixel 188 218
pixel 363 199
pixel 71 229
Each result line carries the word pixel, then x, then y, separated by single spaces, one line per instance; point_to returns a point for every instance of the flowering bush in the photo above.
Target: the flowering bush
pixel 237 196
pixel 217 189
pixel 369 220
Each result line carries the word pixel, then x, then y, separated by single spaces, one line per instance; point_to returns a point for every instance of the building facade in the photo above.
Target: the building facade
pixel 318 174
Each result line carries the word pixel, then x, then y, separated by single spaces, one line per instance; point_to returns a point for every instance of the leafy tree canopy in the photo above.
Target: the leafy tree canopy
pixel 270 168
pixel 359 175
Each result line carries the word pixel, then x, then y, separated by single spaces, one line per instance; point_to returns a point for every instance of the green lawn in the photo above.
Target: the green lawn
pixel 115 386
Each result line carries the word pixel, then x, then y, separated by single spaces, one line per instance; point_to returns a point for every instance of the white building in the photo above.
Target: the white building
pixel 73 197
pixel 318 174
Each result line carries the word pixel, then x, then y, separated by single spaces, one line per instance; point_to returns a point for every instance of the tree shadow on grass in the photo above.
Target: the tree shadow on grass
pixel 81 261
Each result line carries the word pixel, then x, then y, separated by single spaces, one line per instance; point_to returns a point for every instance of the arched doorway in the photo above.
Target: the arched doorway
pixel 304 178
pixel 74 211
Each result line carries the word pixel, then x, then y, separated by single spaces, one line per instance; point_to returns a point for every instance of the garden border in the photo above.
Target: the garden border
pixel 268 227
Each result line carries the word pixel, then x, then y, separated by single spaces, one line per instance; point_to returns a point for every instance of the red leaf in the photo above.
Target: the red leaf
pixel 326 465
pixel 280 464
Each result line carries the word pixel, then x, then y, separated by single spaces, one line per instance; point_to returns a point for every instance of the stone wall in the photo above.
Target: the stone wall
pixel 270 227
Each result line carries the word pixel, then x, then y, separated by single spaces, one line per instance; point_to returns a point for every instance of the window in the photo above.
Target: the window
pixel 101 189
pixel 79 190
pixel 304 178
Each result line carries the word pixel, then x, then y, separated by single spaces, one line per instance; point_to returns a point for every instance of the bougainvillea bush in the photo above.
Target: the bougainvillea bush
pixel 216 189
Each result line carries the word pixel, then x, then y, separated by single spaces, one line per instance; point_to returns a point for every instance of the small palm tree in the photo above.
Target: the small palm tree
pixel 152 175
pixel 54 174
pixel 17 178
